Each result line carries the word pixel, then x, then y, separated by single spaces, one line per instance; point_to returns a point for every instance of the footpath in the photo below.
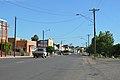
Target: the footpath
pixel 3 57
pixel 12 56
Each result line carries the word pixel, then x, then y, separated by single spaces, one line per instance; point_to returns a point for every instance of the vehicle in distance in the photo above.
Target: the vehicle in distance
pixel 66 52
pixel 85 54
pixel 59 52
pixel 39 52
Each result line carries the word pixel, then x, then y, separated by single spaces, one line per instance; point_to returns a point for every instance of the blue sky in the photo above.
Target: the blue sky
pixel 59 16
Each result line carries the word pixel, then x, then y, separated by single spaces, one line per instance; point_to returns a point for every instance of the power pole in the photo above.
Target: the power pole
pixel 61 45
pixel 15 37
pixel 86 44
pixel 94 10
pixel 88 39
pixel 43 38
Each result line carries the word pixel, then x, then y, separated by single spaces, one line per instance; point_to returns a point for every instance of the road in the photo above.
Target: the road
pixel 71 67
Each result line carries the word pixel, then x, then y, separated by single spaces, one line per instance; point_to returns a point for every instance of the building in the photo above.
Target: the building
pixel 3 35
pixel 3 31
pixel 45 43
pixel 26 45
pixel 61 47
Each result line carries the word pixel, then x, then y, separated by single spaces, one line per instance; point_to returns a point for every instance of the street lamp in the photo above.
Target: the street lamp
pixel 89 19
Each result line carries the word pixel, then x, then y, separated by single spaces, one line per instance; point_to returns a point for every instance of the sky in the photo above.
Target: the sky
pixel 59 21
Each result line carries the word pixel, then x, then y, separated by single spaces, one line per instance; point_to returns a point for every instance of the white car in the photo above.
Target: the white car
pixel 40 52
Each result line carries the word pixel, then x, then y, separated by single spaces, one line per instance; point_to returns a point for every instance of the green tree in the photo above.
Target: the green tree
pixel 35 38
pixel 104 43
pixel 116 50
pixel 50 49
pixel 7 47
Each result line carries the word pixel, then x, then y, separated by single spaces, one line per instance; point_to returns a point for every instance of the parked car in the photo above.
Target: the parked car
pixel 39 52
pixel 59 52
pixel 85 54
pixel 66 52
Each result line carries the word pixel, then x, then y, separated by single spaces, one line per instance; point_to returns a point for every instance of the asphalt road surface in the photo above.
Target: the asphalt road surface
pixel 70 67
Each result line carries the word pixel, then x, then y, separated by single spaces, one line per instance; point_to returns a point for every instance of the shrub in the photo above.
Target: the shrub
pixel 7 47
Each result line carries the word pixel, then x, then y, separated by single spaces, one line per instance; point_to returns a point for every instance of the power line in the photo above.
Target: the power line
pixel 39 8
pixel 32 5
pixel 99 3
pixel 76 28
pixel 72 37
pixel 35 10
pixel 68 20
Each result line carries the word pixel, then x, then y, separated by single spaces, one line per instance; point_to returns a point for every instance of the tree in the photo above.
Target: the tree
pixel 104 43
pixel 50 49
pixel 77 47
pixel 116 50
pixel 7 47
pixel 71 46
pixel 35 38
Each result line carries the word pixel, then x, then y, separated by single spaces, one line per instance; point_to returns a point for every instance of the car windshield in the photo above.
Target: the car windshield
pixel 40 49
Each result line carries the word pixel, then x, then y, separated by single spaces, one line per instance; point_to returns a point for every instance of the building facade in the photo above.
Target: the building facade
pixel 26 45
pixel 3 31
pixel 45 43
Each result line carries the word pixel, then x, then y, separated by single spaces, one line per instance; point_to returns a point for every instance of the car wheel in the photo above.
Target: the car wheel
pixel 45 56
pixel 37 56
pixel 33 56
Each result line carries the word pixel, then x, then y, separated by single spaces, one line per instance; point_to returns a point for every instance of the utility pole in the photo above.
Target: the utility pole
pixel 61 45
pixel 86 44
pixel 43 38
pixel 15 37
pixel 94 10
pixel 88 39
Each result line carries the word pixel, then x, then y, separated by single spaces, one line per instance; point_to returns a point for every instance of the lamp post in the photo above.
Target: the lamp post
pixel 90 21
